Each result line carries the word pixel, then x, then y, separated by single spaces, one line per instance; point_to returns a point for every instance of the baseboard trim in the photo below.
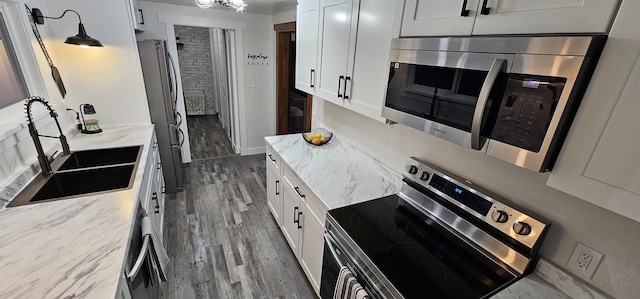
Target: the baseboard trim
pixel 253 151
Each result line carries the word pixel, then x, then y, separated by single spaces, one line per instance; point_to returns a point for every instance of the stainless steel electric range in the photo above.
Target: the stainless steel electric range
pixel 440 237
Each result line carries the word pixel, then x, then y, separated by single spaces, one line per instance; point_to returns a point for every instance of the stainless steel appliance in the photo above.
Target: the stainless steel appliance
pixel 440 237
pixel 139 277
pixel 512 97
pixel 162 94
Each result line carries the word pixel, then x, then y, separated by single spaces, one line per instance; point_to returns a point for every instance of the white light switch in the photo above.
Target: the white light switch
pixel 251 83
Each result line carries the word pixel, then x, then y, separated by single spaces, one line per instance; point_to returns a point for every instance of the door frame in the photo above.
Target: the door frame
pixel 283 37
pixel 239 130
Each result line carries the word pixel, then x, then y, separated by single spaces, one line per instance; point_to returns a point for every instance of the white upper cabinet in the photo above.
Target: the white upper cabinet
pixel 338 23
pixel 600 161
pixel 544 16
pixel 436 17
pixel 306 45
pixel 478 17
pixel 378 23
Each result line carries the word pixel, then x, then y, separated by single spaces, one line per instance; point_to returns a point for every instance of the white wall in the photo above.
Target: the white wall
pixel 110 77
pixel 257 112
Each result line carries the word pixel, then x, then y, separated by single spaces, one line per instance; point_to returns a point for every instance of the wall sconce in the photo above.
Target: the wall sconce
pixel 81 39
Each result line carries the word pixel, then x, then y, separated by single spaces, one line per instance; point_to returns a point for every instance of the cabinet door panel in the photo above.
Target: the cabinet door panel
pixel 434 17
pixel 546 16
pixel 335 22
pixel 616 160
pixel 312 249
pixel 274 190
pixel 291 206
pixel 371 66
pixel 306 45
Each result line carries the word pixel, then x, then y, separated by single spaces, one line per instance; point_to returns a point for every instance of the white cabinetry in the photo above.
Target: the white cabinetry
pixel 137 15
pixel 306 44
pixel 274 185
pixel 354 38
pixel 301 216
pixel 475 17
pixel 600 161
pixel 337 27
pixel 152 190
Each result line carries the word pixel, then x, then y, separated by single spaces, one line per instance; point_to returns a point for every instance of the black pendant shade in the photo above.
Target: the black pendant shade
pixel 82 39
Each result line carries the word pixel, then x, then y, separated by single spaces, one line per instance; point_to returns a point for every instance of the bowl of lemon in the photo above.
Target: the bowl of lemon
pixel 317 136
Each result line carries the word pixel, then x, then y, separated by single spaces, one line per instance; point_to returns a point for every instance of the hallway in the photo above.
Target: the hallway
pixel 207 138
pixel 219 233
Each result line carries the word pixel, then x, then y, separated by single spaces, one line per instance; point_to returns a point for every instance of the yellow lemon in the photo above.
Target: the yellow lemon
pixel 317 135
pixel 309 138
pixel 323 139
pixel 316 141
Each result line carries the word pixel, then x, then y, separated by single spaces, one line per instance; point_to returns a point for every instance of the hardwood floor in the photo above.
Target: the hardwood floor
pixel 207 137
pixel 220 236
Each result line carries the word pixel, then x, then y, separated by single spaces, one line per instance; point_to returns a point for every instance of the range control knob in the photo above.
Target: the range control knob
pixel 413 169
pixel 522 228
pixel 499 216
pixel 424 176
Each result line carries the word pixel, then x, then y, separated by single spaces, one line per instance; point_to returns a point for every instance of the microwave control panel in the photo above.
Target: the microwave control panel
pixel 526 109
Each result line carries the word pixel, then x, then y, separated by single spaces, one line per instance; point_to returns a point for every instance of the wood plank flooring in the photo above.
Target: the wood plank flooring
pixel 207 137
pixel 221 238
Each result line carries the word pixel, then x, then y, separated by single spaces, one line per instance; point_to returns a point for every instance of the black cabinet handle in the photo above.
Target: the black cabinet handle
pixel 157 207
pixel 141 15
pixel 159 165
pixel 311 78
pixel 277 182
pixel 298 190
pixel 299 225
pixel 465 11
pixel 271 158
pixel 340 84
pixel 346 80
pixel 295 213
pixel 485 10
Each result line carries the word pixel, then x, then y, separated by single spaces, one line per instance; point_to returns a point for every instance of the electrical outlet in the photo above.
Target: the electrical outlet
pixel 584 260
pixel 252 83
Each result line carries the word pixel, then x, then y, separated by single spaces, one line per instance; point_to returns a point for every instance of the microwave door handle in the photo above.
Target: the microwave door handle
pixel 497 66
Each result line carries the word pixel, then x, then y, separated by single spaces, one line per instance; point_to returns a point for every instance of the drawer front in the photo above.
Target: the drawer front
pixel 313 203
pixel 273 158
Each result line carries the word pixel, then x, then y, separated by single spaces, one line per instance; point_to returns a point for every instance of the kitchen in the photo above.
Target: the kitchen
pixel 573 219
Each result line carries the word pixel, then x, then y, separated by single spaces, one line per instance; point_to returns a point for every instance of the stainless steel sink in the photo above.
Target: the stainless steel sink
pixel 83 173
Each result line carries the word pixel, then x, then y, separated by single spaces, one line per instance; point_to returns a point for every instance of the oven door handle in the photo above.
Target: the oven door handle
pixel 497 66
pixel 330 241
pixel 131 274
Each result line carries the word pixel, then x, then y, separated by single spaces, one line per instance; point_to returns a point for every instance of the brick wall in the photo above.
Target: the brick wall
pixel 195 62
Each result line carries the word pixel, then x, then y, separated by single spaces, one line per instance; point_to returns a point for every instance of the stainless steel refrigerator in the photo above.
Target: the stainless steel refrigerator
pixel 162 90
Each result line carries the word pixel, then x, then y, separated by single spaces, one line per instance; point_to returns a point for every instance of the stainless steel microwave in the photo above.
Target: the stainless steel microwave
pixel 511 97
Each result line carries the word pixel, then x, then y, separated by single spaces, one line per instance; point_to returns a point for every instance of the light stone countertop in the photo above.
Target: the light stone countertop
pixel 338 173
pixel 550 282
pixel 341 175
pixel 73 248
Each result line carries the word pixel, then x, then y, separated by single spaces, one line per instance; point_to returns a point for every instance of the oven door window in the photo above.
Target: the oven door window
pixel 440 94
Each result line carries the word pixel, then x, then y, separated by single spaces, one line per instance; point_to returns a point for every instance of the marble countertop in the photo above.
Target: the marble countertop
pixel 550 282
pixel 72 248
pixel 338 173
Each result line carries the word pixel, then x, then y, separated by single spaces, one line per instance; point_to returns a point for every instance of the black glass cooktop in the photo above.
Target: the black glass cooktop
pixel 418 256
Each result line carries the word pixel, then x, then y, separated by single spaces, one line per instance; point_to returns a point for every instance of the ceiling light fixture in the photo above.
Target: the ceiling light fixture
pixel 81 39
pixel 238 5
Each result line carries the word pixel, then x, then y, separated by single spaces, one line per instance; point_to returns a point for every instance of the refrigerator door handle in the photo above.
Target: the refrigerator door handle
pixel 180 139
pixel 178 119
pixel 175 81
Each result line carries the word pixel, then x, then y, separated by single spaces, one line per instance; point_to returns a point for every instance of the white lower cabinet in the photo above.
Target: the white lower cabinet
pixel 152 193
pixel 299 214
pixel 274 193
